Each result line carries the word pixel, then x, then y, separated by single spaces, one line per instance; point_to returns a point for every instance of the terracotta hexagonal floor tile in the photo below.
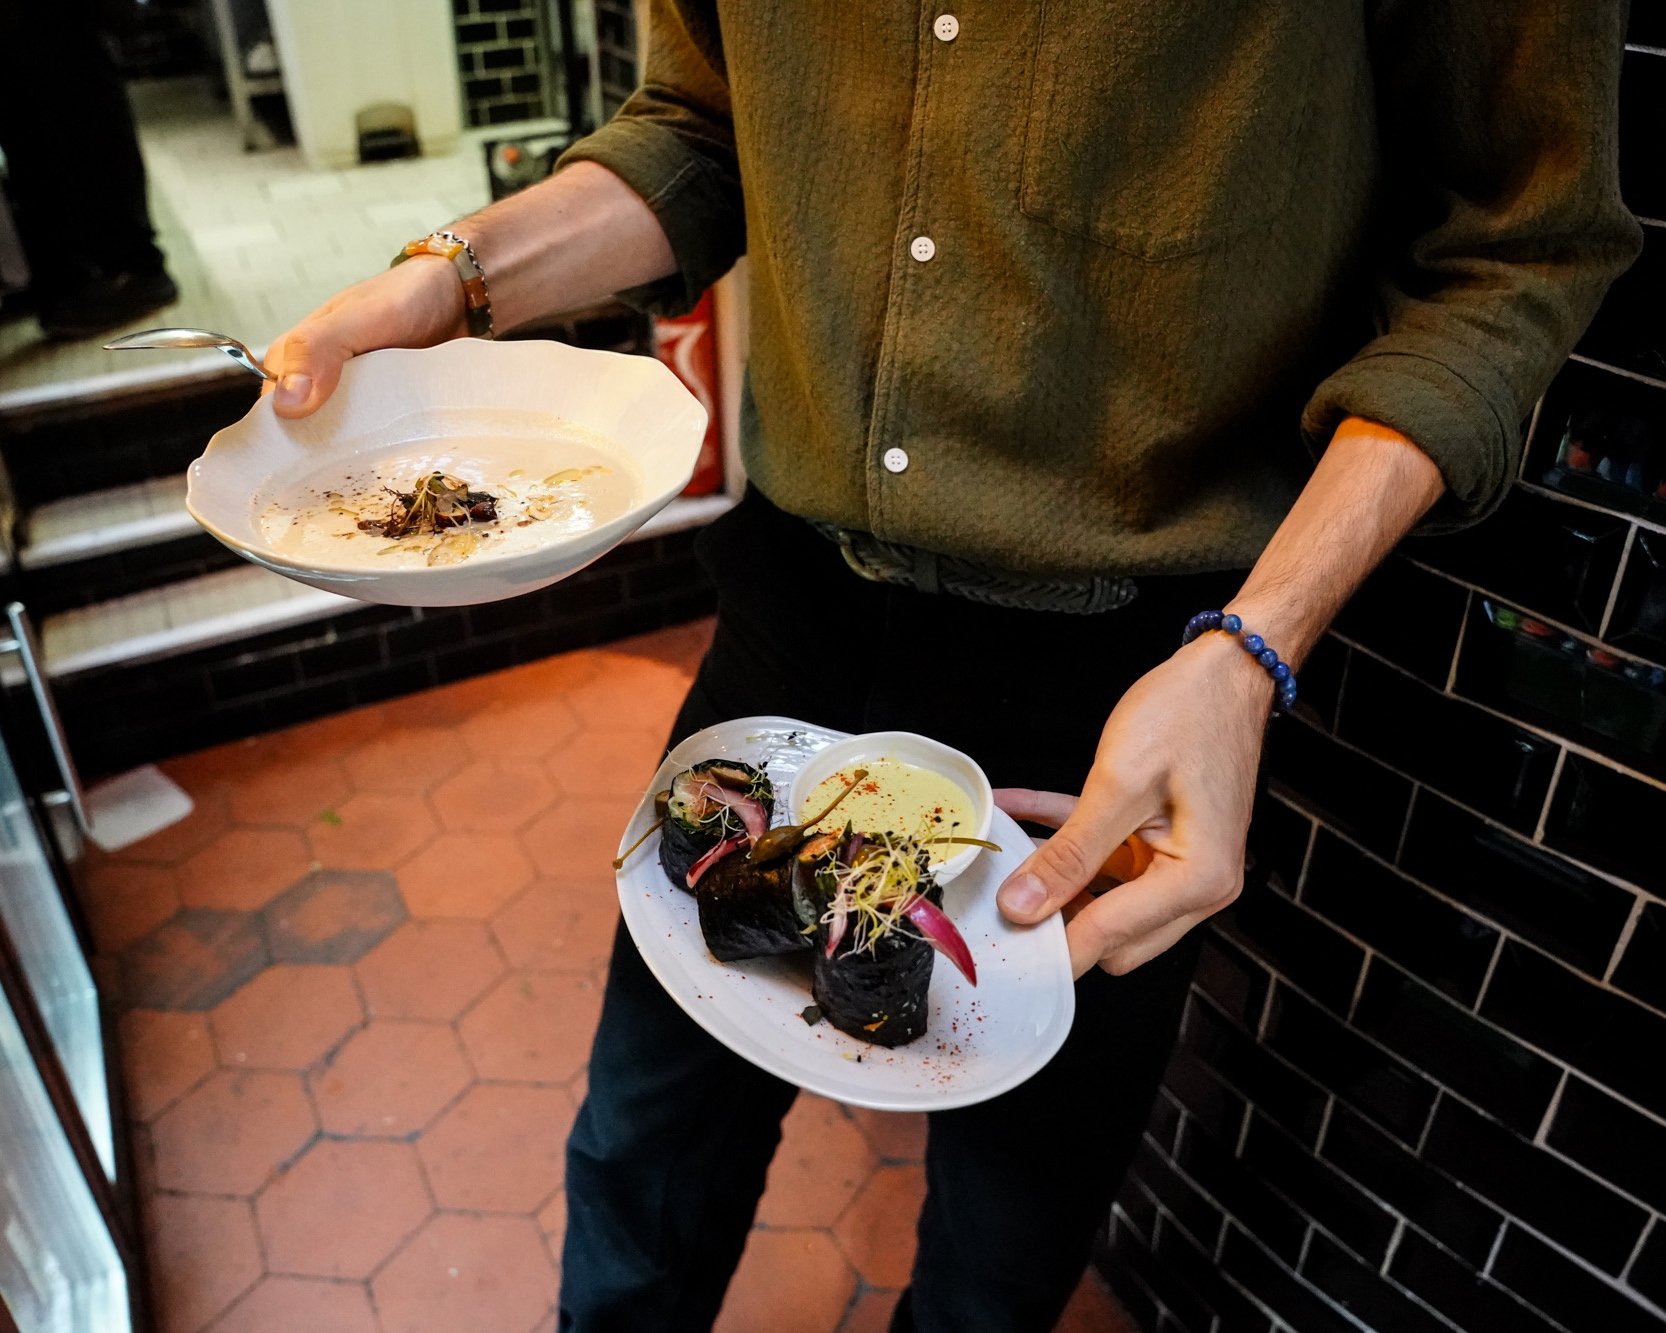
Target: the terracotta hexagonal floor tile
pixel 500 1149
pixel 429 969
pixel 578 839
pixel 243 869
pixel 877 1230
pixel 342 1209
pixel 552 1221
pixel 821 1163
pixel 549 677
pixel 165 1055
pixel 193 960
pixel 210 816
pixel 405 758
pixel 871 1312
pixel 558 927
pixel 463 1272
pixel 533 1027
pixel 607 762
pixel 521 723
pixel 373 831
pixel 229 1135
pixel 206 772
pixel 127 899
pixel 897 1136
pixel 630 690
pixel 677 646
pixel 287 1017
pixel 787 1282
pixel 390 1079
pixel 333 916
pixel 1093 1309
pixel 493 797
pixel 289 790
pixel 301 1305
pixel 203 1256
pixel 332 737
pixel 464 875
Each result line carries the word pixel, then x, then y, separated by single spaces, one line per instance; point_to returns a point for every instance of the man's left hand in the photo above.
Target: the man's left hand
pixel 1176 765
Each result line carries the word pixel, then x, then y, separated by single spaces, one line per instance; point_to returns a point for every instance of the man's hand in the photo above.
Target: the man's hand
pixel 1177 760
pixel 1176 765
pixel 418 304
pixel 563 244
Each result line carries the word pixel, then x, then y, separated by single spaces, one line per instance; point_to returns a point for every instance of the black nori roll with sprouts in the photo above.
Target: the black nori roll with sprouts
pixel 878 918
pixel 715 802
pixel 749 909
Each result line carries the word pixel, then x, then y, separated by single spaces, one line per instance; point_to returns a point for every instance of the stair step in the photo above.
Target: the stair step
pixel 78 527
pixel 237 603
pixel 195 613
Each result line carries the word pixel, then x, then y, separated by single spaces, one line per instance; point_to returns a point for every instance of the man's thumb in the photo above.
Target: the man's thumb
pixel 290 397
pixel 308 370
pixel 1056 872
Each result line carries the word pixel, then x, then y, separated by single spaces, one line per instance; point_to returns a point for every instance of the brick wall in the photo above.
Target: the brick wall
pixel 1422 1079
pixel 502 59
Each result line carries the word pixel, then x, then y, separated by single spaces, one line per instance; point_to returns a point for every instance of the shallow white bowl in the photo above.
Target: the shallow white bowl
pixel 471 408
pixel 908 748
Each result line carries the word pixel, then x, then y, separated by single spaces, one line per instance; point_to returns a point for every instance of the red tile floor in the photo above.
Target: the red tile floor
pixel 352 1068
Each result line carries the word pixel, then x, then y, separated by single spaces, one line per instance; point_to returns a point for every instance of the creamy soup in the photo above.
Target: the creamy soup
pixel 546 489
pixel 896 798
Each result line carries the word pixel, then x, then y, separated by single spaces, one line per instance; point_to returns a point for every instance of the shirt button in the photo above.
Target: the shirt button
pixel 947 27
pixel 896 460
pixel 922 248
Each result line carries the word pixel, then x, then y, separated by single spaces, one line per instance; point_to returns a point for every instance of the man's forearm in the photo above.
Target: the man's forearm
pixel 566 243
pixel 1369 490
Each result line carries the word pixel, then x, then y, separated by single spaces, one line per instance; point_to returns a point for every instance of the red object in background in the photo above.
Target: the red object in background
pixel 688 344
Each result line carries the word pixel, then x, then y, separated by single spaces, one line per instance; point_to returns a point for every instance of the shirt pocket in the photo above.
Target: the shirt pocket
pixel 1164 127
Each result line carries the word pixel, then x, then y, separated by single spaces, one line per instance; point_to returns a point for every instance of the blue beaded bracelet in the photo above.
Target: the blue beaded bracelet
pixel 1284 679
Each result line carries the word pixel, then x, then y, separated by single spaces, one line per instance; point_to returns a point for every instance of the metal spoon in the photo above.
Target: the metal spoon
pixel 170 338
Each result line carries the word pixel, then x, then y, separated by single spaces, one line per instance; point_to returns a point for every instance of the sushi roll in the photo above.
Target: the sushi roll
pixel 749 909
pixel 879 918
pixel 712 809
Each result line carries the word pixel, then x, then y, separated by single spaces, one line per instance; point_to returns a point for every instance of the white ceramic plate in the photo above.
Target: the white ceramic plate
pixel 497 415
pixel 980 1042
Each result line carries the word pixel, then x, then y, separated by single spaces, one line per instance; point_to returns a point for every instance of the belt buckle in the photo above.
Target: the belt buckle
pixel 847 548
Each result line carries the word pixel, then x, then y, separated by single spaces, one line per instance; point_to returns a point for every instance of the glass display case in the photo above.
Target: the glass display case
pixel 67 1240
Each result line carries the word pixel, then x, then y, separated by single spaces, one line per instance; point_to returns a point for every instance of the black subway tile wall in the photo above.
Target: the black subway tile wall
pixel 504 65
pixel 1421 1083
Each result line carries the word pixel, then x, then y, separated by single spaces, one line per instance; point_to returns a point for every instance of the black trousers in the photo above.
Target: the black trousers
pixel 71 146
pixel 668 1156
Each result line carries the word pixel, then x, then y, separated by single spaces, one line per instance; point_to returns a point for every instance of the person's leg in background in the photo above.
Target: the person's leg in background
pixel 670 1151
pixel 667 1158
pixel 1017 1187
pixel 75 171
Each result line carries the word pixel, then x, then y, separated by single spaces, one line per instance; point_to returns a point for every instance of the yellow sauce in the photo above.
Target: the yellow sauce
pixel 896 798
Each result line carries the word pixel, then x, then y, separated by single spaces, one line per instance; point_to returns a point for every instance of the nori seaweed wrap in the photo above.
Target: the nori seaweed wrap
pixel 880 996
pixel 697 818
pixel 872 966
pixel 747 910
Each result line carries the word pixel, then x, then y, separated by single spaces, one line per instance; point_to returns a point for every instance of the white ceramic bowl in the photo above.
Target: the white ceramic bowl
pixel 908 748
pixel 473 409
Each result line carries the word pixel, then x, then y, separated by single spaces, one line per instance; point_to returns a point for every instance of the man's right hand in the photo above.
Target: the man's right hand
pixel 417 304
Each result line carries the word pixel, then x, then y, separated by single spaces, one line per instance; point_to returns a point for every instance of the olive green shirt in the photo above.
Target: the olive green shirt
pixel 1081 285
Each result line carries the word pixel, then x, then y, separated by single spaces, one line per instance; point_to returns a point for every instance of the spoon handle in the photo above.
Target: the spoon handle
pixel 240 354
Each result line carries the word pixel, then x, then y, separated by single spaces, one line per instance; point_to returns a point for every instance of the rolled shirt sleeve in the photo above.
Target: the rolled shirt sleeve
pixel 673 142
pixel 1504 227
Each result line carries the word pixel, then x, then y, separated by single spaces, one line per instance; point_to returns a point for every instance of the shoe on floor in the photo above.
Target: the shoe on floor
pixel 99 302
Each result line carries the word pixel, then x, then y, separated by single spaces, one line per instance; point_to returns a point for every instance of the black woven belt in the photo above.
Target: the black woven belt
pixel 890 562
